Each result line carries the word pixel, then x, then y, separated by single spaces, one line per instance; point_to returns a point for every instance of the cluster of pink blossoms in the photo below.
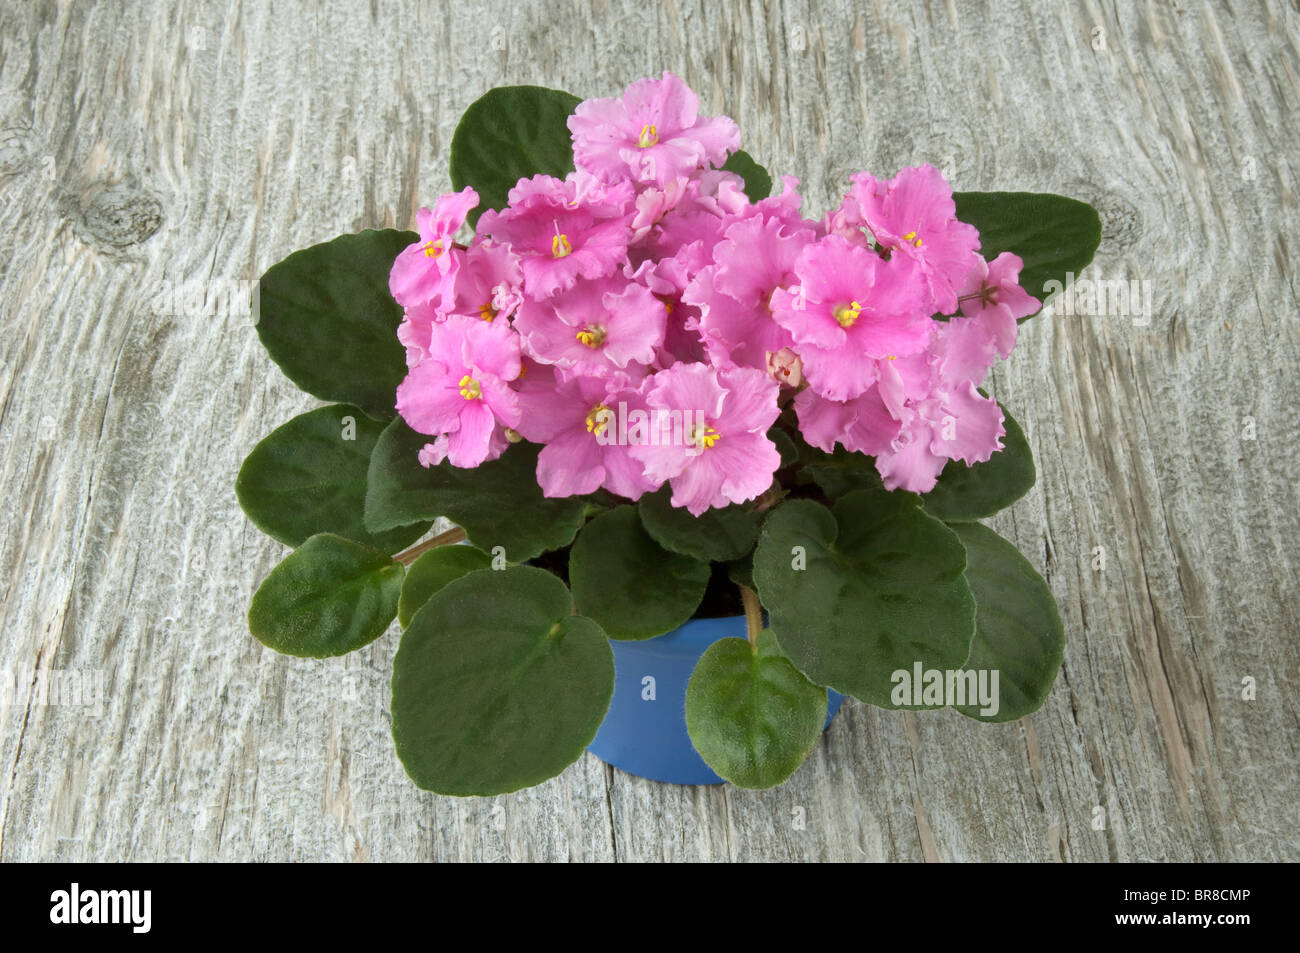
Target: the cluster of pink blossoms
pixel 646 322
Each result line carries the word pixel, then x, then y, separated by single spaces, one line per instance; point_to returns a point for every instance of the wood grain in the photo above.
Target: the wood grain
pixel 155 142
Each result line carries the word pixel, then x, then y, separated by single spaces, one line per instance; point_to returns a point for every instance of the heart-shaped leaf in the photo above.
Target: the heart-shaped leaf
pixel 630 585
pixel 751 715
pixel 869 589
pixel 496 685
pixel 1054 235
pixel 1018 631
pixel 328 597
pixel 433 570
pixel 971 493
pixel 716 534
pixel 511 133
pixel 309 477
pixel 498 503
pixel 326 317
pixel 758 183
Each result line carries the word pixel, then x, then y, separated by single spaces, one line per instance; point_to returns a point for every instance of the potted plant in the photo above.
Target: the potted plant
pixel 702 455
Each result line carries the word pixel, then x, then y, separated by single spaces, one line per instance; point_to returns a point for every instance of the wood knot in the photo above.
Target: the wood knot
pixel 120 216
pixel 1121 222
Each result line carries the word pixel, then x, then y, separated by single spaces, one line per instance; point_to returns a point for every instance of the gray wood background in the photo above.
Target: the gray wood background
pixel 150 143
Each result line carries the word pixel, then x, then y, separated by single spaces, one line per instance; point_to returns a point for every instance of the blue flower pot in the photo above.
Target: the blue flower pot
pixel 644 732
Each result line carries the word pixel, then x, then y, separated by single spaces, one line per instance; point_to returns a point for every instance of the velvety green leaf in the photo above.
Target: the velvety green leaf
pixel 971 493
pixel 881 588
pixel 630 585
pixel 328 597
pixel 741 571
pixel 842 472
pixel 496 686
pixel 326 317
pixel 717 534
pixel 309 477
pixel 1054 235
pixel 511 133
pixel 1018 631
pixel 498 503
pixel 758 183
pixel 433 570
pixel 751 715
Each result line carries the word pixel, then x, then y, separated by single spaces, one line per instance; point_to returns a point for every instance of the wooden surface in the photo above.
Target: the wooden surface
pixel 143 143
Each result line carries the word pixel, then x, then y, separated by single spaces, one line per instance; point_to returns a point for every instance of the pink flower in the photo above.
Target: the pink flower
pixel 942 418
pixel 735 294
pixel 863 424
pixel 991 303
pixel 709 438
pixel 432 454
pixel 652 135
pixel 461 390
pixel 578 422
pixel 850 309
pixel 914 214
pixel 415 330
pixel 563 230
pixel 423 271
pixel 595 328
pixel 488 283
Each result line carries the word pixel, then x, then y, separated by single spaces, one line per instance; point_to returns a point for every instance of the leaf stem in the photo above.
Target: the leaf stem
pixel 453 535
pixel 753 614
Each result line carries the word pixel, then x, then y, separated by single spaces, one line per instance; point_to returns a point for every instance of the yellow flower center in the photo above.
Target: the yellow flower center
pixel 434 249
pixel 847 314
pixel 470 389
pixel 487 312
pixel 705 436
pixel 561 247
pixel 592 336
pixel 598 419
pixel 649 136
pixel 911 237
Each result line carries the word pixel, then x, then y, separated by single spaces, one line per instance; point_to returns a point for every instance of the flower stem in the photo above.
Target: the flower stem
pixel 753 614
pixel 453 535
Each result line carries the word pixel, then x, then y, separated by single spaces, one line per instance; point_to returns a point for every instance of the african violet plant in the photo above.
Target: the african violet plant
pixel 646 389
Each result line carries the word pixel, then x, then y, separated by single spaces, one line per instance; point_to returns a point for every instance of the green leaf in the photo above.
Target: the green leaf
pixel 741 571
pixel 751 715
pixel 631 586
pixel 511 133
pixel 498 503
pixel 433 570
pixel 1054 235
pixel 842 472
pixel 496 686
pixel 881 588
pixel 328 597
pixel 326 317
pixel 758 183
pixel 964 494
pixel 716 534
pixel 309 477
pixel 1018 631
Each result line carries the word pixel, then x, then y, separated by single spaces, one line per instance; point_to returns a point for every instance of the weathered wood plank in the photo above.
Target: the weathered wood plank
pixel 153 142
